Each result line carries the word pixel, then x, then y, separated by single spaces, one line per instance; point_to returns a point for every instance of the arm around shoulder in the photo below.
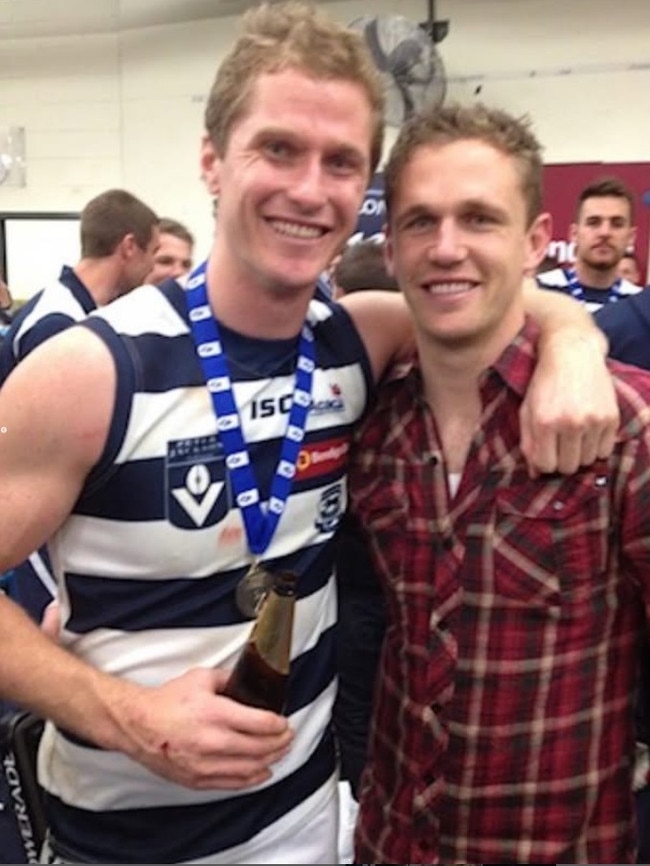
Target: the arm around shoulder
pixel 385 326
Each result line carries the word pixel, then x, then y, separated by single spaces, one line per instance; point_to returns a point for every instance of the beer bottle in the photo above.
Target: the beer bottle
pixel 260 677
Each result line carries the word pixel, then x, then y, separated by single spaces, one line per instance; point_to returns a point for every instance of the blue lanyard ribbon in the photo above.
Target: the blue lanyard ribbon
pixel 260 522
pixel 577 291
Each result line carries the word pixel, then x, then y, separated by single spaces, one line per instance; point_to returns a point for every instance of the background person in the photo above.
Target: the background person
pixel 173 258
pixel 629 268
pixel 360 267
pixel 603 230
pixel 119 237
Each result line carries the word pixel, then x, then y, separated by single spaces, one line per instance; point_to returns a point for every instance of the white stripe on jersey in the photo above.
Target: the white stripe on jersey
pixel 126 784
pixel 129 313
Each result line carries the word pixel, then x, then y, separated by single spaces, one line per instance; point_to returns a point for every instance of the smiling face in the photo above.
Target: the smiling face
pixel 459 242
pixel 291 180
pixel 172 259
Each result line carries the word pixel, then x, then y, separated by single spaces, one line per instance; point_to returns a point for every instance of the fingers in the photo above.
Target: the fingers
pixel 51 620
pixel 249 720
pixel 552 445
pixel 607 440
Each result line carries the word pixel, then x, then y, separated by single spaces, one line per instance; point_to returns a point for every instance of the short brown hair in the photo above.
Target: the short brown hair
pixel 362 266
pixel 291 35
pixel 508 134
pixel 172 227
pixel 605 187
pixel 109 217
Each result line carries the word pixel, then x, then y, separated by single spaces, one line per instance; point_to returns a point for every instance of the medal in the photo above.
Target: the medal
pixel 252 590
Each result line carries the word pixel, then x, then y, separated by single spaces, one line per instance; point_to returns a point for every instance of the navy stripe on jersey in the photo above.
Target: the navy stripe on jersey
pixel 174 834
pixel 311 672
pixel 47 313
pixel 135 605
pixel 126 384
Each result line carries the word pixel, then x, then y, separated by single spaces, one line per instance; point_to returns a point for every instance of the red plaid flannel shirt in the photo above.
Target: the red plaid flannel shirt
pixel 503 729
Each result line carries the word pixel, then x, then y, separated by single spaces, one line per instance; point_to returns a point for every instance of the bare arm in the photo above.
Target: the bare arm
pixel 384 323
pixel 56 413
pixel 570 415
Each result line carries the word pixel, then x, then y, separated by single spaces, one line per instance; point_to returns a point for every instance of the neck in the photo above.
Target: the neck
pixel 101 278
pixel 595 278
pixel 270 313
pixel 451 374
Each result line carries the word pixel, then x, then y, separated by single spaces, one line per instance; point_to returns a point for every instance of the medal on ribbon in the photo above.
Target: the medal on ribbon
pixel 260 520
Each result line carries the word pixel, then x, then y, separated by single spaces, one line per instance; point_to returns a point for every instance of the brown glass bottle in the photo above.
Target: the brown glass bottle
pixel 260 677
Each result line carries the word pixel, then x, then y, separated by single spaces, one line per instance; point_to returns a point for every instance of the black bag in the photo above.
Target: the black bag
pixel 22 818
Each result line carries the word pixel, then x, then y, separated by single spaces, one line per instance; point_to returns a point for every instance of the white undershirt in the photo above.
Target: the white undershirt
pixel 453 479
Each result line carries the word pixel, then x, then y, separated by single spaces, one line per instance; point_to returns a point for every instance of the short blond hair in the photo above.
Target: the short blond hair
pixel 511 135
pixel 291 35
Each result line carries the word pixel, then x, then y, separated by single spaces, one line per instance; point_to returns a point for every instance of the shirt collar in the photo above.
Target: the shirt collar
pixel 513 368
pixel 71 281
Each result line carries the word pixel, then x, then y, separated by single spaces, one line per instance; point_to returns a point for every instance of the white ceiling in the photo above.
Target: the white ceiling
pixel 23 19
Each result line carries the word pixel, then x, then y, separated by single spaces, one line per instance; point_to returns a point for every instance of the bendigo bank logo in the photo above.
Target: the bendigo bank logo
pixel 322 458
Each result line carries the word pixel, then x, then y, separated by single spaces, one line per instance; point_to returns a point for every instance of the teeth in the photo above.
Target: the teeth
pixel 449 288
pixel 295 230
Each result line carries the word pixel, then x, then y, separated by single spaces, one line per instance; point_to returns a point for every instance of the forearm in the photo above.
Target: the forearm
pixel 561 317
pixel 41 676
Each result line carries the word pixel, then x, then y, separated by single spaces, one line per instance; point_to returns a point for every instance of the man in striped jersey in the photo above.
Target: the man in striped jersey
pixel 162 464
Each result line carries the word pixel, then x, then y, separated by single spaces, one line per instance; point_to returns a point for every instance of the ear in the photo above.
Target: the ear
pixel 210 166
pixel 128 246
pixel 631 241
pixel 539 237
pixel 573 233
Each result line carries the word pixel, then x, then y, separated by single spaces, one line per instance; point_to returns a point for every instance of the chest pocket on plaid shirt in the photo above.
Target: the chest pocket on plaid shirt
pixel 554 536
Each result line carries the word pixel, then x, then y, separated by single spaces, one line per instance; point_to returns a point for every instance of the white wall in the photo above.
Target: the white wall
pixel 126 109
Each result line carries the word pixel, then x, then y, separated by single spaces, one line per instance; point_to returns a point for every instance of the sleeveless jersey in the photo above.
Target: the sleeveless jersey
pixel 149 560
pixel 53 309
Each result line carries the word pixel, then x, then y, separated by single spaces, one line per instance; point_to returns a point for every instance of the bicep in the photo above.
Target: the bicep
pixel 55 411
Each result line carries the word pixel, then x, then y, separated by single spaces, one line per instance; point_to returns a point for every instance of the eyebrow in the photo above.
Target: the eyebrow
pixel 297 140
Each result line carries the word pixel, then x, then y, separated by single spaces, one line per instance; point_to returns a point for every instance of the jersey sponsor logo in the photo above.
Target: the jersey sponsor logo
pixel 195 472
pixel 267 407
pixel 322 458
pixel 330 508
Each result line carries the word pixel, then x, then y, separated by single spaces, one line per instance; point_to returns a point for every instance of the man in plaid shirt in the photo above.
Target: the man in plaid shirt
pixel 503 728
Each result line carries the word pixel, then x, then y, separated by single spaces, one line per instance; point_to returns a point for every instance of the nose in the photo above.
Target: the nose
pixel 448 247
pixel 307 187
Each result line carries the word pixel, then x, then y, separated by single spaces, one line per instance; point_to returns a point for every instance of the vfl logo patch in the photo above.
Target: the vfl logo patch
pixel 330 508
pixel 197 493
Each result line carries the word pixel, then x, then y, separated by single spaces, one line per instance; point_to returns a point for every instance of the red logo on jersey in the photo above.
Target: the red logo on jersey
pixel 322 458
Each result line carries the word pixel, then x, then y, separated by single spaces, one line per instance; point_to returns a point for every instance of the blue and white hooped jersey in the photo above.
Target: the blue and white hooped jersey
pixel 149 560
pixel 52 310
